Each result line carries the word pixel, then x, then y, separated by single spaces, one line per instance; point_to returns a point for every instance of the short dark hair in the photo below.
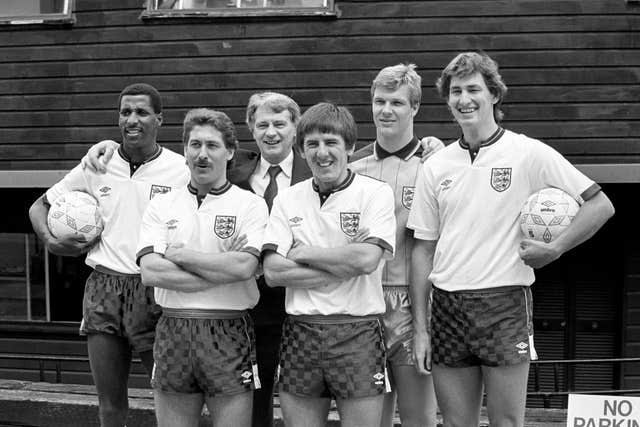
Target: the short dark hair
pixel 143 89
pixel 213 118
pixel 326 117
pixel 468 63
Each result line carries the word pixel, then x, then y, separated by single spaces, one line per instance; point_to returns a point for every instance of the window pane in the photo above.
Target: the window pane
pixel 67 276
pixel 22 288
pixel 282 3
pixel 219 4
pixel 31 7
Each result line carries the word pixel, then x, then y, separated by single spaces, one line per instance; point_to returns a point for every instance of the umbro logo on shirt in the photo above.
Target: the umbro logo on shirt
pixel 105 191
pixel 172 224
pixel 295 221
pixel 446 184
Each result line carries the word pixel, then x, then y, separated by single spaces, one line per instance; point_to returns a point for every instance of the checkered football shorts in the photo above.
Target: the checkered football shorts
pixel 122 306
pixel 489 328
pixel 210 356
pixel 340 360
pixel 398 329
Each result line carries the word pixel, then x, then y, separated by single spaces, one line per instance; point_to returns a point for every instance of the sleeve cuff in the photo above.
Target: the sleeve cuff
pixel 269 247
pixel 146 251
pixel 424 235
pixel 590 192
pixel 380 242
pixel 253 251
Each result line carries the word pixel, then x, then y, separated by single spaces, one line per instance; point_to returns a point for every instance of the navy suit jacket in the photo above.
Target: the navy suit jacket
pixel 270 312
pixel 246 161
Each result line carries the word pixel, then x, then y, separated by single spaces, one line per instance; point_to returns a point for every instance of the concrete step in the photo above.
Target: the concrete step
pixel 31 404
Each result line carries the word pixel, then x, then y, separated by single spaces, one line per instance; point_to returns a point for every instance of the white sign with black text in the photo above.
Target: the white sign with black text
pixel 586 410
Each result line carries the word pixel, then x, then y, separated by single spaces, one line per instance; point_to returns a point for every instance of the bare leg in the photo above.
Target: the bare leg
pixel 305 411
pixel 506 394
pixel 389 406
pixel 178 409
pixel 147 361
pixel 231 411
pixel 416 398
pixel 360 412
pixel 110 360
pixel 459 392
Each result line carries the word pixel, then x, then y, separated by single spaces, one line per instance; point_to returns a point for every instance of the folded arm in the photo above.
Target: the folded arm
pixel 281 271
pixel 159 272
pixel 217 268
pixel 345 262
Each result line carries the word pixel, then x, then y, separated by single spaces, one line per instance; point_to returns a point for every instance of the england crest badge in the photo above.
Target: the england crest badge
pixel 224 226
pixel 158 189
pixel 350 222
pixel 407 196
pixel 500 179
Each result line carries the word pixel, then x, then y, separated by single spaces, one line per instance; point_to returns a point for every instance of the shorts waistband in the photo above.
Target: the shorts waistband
pixel 196 313
pixel 497 290
pixel 384 286
pixel 331 319
pixel 105 270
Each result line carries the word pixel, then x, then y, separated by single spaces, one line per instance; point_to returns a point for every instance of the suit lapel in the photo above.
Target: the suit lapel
pixel 300 170
pixel 246 163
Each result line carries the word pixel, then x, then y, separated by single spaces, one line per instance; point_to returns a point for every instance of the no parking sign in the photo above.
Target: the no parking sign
pixel 603 411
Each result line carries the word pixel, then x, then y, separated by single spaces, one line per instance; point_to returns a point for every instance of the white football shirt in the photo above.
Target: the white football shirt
pixel 472 208
pixel 176 218
pixel 298 215
pixel 122 198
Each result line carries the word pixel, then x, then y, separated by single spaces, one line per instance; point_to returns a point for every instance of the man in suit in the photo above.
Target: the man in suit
pixel 272 118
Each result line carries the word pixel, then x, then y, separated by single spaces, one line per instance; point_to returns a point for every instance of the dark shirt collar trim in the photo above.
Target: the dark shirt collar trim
pixel 404 153
pixel 214 191
pixel 153 156
pixel 344 184
pixel 492 139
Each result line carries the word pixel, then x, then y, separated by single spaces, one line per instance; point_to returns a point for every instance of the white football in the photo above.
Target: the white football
pixel 547 213
pixel 75 214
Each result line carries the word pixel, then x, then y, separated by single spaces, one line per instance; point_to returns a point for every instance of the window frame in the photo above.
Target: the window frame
pixel 151 12
pixel 65 17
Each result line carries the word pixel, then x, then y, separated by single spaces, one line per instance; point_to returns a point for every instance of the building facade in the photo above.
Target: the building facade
pixel 572 68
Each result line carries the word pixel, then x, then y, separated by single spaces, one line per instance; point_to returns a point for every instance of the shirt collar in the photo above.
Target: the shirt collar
pixel 405 153
pixel 286 165
pixel 344 184
pixel 153 156
pixel 214 191
pixel 492 139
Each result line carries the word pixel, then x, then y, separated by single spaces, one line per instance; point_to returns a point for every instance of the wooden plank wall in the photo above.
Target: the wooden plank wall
pixel 572 67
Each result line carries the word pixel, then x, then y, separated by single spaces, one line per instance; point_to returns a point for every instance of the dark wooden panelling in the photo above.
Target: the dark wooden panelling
pixel 304 62
pixel 362 113
pixel 353 27
pixel 320 45
pixel 572 68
